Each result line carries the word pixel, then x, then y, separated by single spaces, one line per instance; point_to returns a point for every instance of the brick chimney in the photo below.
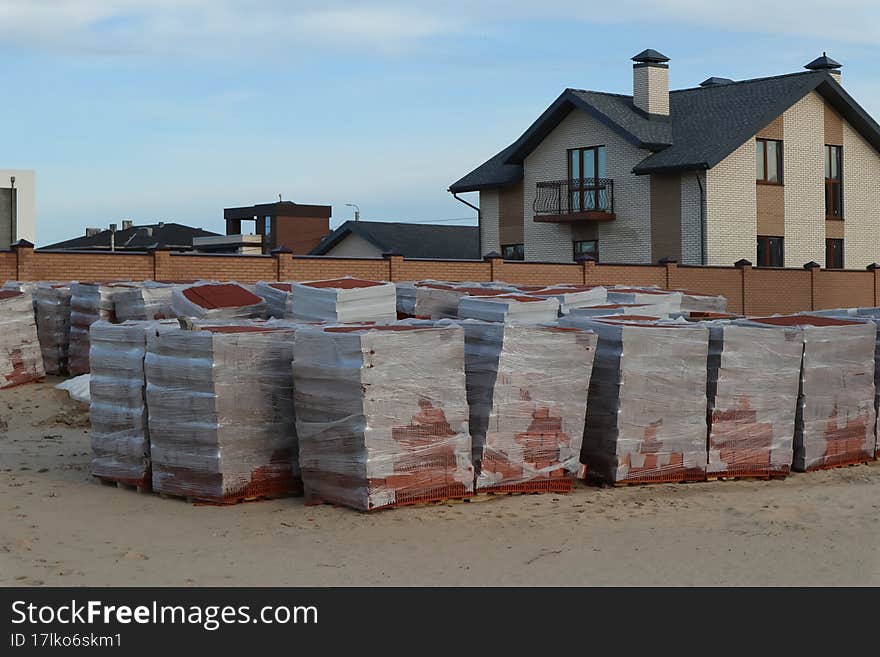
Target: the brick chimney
pixel 825 63
pixel 651 82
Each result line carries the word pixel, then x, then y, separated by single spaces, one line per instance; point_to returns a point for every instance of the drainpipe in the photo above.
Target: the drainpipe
pixel 13 210
pixel 702 219
pixel 479 222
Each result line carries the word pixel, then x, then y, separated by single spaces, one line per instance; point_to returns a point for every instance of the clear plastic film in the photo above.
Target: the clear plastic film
pixel 754 376
pixel 646 414
pixel 221 420
pixel 344 300
pixel 509 308
pixel 20 358
pixel 573 297
pixel 150 301
pixel 701 302
pixel 117 408
pixel 382 414
pixel 214 300
pixel 53 324
pixel 670 299
pixel 278 297
pixel 89 302
pixel 527 390
pixel 835 419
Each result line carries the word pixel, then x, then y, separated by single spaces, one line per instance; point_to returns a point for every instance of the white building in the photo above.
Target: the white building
pixel 18 216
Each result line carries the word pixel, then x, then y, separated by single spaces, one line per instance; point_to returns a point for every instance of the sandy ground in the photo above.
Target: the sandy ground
pixel 60 527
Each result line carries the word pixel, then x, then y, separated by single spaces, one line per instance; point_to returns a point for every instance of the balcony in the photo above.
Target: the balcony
pixel 578 199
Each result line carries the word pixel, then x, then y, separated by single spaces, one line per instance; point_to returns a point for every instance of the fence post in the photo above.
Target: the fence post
pixel 874 268
pixel 588 268
pixel 812 267
pixel 395 262
pixel 744 267
pixel 161 262
pixel 495 263
pixel 24 253
pixel 281 254
pixel 671 264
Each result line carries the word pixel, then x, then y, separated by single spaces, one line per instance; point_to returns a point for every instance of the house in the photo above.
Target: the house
pixel 133 238
pixel 285 224
pixel 17 209
pixel 780 171
pixel 370 239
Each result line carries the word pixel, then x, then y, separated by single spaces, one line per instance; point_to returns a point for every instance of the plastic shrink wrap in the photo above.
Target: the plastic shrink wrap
pixel 835 419
pixel 149 301
pixel 512 308
pixel 53 325
pixel 527 391
pixel 210 300
pixel 344 300
pixel 657 311
pixel 646 414
pixel 754 375
pixel 118 410
pixel 572 297
pixel 382 414
pixel 222 424
pixel 646 295
pixel 28 287
pixel 406 299
pixel 89 302
pixel 700 301
pixel 278 298
pixel 20 357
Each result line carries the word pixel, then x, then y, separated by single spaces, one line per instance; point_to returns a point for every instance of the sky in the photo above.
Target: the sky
pixel 171 110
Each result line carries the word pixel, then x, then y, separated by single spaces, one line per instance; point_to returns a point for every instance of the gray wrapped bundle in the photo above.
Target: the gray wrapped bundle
pixel 20 357
pixel 53 325
pixel 344 300
pixel 278 298
pixel 149 301
pixel 89 302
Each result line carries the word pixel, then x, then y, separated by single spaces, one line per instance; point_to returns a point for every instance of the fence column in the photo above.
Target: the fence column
pixel 874 268
pixel 588 269
pixel 744 267
pixel 496 262
pixel 161 263
pixel 395 264
pixel 671 264
pixel 283 255
pixel 24 261
pixel 813 268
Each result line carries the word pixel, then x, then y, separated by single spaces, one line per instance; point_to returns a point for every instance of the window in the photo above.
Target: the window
pixel 770 251
pixel 586 248
pixel 834 254
pixel 513 251
pixel 768 162
pixel 833 180
pixel 585 165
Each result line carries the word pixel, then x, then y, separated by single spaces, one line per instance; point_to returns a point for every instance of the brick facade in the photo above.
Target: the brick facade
pixel 861 201
pixel 731 208
pixel 490 219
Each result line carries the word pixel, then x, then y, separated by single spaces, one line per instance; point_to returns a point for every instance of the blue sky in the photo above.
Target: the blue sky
pixel 173 109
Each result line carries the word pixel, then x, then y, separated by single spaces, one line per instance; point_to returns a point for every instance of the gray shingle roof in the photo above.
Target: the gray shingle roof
pixel 136 238
pixel 409 240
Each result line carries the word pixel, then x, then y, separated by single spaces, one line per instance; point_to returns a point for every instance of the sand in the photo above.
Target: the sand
pixel 58 526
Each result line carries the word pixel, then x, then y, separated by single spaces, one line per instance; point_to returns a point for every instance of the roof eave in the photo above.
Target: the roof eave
pixel 673 168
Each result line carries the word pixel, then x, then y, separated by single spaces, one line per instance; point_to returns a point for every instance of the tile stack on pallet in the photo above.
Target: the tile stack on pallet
pixel 699 301
pixel 754 376
pixel 646 415
pixel 89 302
pixel 573 297
pixel 527 391
pixel 668 299
pixel 20 357
pixel 150 301
pixel 118 409
pixel 382 414
pixel 217 301
pixel 513 308
pixel 278 298
pixel 221 420
pixel 656 311
pixel 53 325
pixel 344 300
pixel 835 419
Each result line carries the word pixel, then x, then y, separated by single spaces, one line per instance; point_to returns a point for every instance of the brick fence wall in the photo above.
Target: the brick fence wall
pixel 749 291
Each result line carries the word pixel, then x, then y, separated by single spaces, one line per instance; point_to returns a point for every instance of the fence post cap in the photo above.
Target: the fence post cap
pixel 281 249
pixel 392 254
pixel 812 264
pixel 742 262
pixel 21 244
pixel 493 255
pixel 873 266
pixel 585 257
pixel 667 261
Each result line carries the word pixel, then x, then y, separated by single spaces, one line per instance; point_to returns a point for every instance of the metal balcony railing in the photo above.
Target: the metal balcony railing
pixel 574 195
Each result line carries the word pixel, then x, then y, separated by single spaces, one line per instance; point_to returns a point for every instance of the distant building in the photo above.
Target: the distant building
pixel 17 206
pixel 294 226
pixel 134 238
pixel 367 239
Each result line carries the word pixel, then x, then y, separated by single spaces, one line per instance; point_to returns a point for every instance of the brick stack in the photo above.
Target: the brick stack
pixel 513 308
pixel 344 300
pixel 527 392
pixel 222 424
pixel 20 357
pixel 382 414
pixel 53 325
pixel 278 298
pixel 217 301
pixel 149 301
pixel 118 410
pixel 89 302
pixel 753 381
pixel 835 420
pixel 646 416
pixel 572 297
pixel 646 295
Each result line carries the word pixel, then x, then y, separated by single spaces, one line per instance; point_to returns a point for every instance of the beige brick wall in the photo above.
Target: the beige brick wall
pixel 731 208
pixel 489 221
pixel 691 202
pixel 804 177
pixel 628 237
pixel 651 89
pixel 861 201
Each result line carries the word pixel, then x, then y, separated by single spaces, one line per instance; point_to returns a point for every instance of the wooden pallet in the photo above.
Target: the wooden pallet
pixel 143 487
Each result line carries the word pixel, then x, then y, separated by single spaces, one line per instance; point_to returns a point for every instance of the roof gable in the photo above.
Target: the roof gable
pixel 409 240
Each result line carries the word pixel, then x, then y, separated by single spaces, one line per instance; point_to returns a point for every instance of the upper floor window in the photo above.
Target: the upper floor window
pixel 585 167
pixel 586 248
pixel 513 251
pixel 833 182
pixel 768 161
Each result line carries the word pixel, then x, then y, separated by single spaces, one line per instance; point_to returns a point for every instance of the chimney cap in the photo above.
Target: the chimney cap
pixel 823 63
pixel 650 56
pixel 715 81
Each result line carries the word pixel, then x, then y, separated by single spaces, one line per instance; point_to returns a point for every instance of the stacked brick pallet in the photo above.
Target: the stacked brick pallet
pixel 149 301
pixel 53 325
pixel 221 421
pixel 278 298
pixel 118 410
pixel 20 357
pixel 646 415
pixel 382 414
pixel 344 300
pixel 835 419
pixel 753 381
pixel 527 391
pixel 89 302
pixel 513 308
pixel 217 301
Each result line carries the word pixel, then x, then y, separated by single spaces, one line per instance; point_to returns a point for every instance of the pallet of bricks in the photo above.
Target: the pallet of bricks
pixel 835 419
pixel 149 301
pixel 89 302
pixel 527 391
pixel 646 414
pixel 53 324
pixel 221 416
pixel 382 415
pixel 20 357
pixel 753 383
pixel 118 410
